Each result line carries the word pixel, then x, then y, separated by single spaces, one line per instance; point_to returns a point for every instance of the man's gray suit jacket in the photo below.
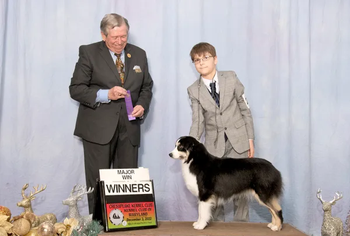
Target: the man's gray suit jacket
pixel 95 69
pixel 233 117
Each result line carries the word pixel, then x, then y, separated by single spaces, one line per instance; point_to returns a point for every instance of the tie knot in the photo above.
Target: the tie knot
pixel 117 55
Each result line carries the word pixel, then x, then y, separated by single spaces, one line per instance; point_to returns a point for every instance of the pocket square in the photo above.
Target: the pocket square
pixel 137 69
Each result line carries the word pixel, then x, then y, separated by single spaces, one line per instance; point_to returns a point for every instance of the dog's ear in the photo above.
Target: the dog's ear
pixel 191 152
pixel 191 147
pixel 198 149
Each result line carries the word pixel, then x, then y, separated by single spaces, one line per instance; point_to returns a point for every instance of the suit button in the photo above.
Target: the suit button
pixel 220 113
pixel 225 128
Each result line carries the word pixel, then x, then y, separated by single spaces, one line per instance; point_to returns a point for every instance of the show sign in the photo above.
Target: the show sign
pixel 127 199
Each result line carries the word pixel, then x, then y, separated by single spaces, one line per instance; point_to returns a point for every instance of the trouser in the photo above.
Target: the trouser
pixel 118 153
pixel 240 205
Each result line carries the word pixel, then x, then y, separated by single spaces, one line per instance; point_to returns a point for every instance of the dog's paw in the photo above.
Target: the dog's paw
pixel 199 225
pixel 270 225
pixel 276 228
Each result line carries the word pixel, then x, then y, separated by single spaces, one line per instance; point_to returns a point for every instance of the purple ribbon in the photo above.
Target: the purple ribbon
pixel 129 106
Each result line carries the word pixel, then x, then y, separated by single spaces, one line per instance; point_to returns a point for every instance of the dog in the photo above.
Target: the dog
pixel 216 180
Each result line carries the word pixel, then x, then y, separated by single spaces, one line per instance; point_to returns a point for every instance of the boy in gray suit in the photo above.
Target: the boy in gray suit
pixel 219 108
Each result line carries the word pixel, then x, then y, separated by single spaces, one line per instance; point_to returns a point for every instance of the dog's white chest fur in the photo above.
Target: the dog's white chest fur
pixel 190 179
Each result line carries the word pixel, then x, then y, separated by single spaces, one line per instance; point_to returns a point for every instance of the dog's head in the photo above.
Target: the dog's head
pixel 183 147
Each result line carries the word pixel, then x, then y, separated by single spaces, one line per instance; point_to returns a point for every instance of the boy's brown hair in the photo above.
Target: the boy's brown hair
pixel 201 48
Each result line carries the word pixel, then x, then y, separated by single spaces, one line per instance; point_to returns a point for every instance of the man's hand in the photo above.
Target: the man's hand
pixel 138 111
pixel 251 148
pixel 116 93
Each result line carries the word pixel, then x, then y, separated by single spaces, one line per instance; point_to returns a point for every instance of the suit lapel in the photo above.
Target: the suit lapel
pixel 104 51
pixel 127 61
pixel 222 84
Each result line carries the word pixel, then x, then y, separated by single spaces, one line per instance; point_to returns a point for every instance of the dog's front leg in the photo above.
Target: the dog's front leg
pixel 199 216
pixel 204 215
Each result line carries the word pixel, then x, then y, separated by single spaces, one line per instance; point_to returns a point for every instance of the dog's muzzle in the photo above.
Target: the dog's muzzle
pixel 171 155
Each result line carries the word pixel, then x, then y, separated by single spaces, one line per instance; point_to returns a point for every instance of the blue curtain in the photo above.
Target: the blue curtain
pixel 293 57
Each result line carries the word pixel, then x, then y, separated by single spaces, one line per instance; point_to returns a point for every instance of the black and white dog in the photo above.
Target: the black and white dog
pixel 215 180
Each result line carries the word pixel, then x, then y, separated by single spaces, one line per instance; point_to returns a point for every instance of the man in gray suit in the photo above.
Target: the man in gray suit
pixel 103 75
pixel 220 108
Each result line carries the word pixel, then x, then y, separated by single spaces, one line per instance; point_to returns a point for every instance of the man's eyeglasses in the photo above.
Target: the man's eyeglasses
pixel 198 60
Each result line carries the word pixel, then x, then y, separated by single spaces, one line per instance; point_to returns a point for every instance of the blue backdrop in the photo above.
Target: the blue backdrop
pixel 293 57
